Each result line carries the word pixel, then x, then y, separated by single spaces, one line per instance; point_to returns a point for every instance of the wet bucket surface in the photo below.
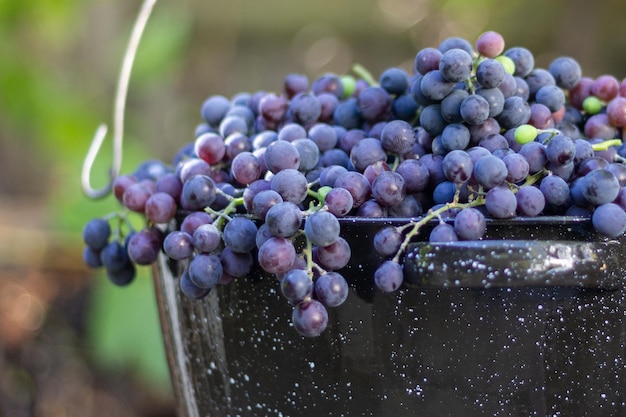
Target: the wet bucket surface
pixel 530 321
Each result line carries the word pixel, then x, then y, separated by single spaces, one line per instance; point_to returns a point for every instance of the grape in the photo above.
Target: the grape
pixel 136 196
pixel 600 186
pixel 530 201
pixel 551 96
pixel 500 202
pixel 160 207
pixel 179 245
pixel 387 240
pixel 328 83
pixel 415 175
pixel 394 80
pixel 389 276
pixel 427 59
pixel 470 224
pixel 523 59
pixel 334 256
pixel 291 184
pixel 609 219
pixel 276 255
pixel 331 289
pixel 205 270
pixel 114 256
pixel 199 192
pixel 122 276
pixel 339 201
pixel 322 228
pixel 451 106
pixel 145 245
pixel 388 188
pixel 236 264
pixel 283 219
pixel 374 104
pixel 91 257
pixel 305 108
pixel 455 136
pixel 490 171
pixel 397 137
pixel 245 168
pixel 358 186
pixel 310 318
pixel 431 119
pixel 457 166
pixel 566 72
pixel 239 234
pixel 96 234
pixel 297 286
pixel 474 109
pixel 494 97
pixel 555 190
pixel 214 109
pixel 443 232
pixel 206 238
pixel 490 44
pixel 366 152
pixel 456 42
pixel 490 73
pixel 455 65
pixel 191 290
pixel 605 87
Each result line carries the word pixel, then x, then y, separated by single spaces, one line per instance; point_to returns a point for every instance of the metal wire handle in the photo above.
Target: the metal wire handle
pixel 118 112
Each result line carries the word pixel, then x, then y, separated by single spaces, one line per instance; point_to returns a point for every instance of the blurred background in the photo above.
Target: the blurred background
pixel 72 344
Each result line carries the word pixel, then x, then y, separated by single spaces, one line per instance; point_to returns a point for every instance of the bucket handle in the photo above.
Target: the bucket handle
pixel 118 112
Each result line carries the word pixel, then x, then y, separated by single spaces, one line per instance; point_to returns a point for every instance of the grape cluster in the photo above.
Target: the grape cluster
pixel 471 132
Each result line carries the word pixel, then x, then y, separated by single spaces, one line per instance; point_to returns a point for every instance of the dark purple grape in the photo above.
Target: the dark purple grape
pixel 277 255
pixel 145 245
pixel 388 188
pixel 206 238
pixel 96 234
pixel 305 108
pixel 600 187
pixel 470 224
pixel 457 166
pixel 397 137
pixel 387 241
pixel 374 104
pixel 443 232
pixel 160 208
pixel 455 65
pixel 339 201
pixel 214 109
pixel 389 276
pixel 366 152
pixel 475 109
pixel 199 192
pixel 245 168
pixel 191 290
pixel 334 256
pixel 609 219
pixel 434 86
pixel 236 264
pixel 296 285
pixel 239 234
pixel 331 289
pixel 291 184
pixel 530 201
pixel 356 184
pixel 426 60
pixel 283 219
pixel 310 318
pixel 178 245
pixel 205 270
pixel 500 202
pixel 490 171
pixel 566 72
pixel 322 228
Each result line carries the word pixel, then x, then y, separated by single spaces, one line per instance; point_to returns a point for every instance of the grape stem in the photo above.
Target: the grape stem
pixel 603 146
pixel 223 215
pixel 364 73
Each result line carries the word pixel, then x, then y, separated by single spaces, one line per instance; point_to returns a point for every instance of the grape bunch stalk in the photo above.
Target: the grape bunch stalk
pixel 471 132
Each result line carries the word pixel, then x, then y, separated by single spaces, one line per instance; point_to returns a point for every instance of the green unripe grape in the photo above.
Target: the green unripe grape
pixel 525 134
pixel 592 105
pixel 507 63
pixel 349 85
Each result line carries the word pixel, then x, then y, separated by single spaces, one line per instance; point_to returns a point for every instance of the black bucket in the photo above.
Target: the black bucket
pixel 530 321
